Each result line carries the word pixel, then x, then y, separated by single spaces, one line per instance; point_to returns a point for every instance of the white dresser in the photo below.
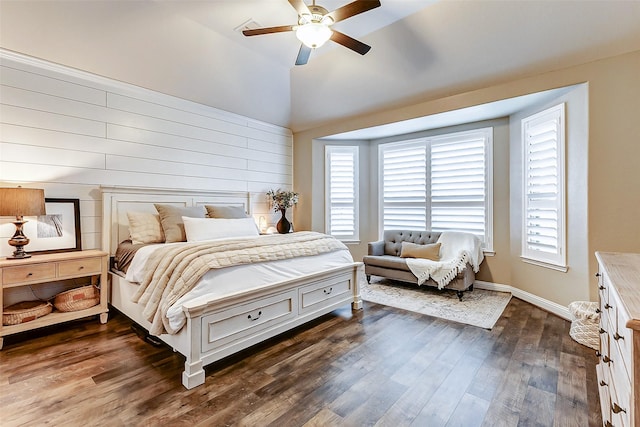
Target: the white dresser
pixel 618 367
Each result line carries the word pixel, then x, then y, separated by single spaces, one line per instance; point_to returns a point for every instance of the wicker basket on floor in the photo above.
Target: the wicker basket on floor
pixel 25 311
pixel 77 299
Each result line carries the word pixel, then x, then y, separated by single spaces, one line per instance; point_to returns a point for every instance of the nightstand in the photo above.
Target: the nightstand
pixel 55 267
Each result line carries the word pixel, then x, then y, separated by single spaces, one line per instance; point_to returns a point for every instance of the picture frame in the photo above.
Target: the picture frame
pixel 58 230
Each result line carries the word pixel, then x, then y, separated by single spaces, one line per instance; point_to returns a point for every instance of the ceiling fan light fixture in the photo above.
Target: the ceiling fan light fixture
pixel 313 34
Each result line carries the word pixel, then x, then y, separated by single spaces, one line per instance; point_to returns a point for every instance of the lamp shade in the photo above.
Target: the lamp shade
pixel 21 202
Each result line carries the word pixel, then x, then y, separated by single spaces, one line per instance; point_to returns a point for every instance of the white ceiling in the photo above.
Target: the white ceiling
pixel 421 49
pixel 227 18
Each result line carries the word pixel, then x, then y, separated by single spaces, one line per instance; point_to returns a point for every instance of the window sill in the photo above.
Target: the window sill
pixel 562 268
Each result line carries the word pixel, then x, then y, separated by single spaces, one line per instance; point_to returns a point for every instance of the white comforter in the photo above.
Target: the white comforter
pixel 240 278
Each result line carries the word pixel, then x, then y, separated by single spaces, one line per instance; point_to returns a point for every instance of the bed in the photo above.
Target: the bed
pixel 240 312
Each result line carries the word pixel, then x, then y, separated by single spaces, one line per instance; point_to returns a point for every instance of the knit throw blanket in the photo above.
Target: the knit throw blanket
pixel 456 250
pixel 172 271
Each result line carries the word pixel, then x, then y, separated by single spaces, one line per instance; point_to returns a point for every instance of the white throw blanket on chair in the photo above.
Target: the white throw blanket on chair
pixel 456 250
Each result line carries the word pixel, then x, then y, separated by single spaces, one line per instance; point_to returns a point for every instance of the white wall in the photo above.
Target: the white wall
pixel 69 132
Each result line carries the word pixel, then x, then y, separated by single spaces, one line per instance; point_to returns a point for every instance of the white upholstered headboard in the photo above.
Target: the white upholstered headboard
pixel 117 201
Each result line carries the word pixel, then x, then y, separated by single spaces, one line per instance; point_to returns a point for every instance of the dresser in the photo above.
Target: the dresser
pixel 91 264
pixel 619 355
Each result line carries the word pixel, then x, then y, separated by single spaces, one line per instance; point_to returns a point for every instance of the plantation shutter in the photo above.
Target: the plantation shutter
pixel 543 137
pixel 404 185
pixel 458 183
pixel 342 192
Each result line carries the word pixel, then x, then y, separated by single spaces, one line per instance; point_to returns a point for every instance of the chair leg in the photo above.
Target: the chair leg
pixel 459 293
pixel 368 278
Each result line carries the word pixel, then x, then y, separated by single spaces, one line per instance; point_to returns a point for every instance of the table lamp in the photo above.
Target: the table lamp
pixel 19 202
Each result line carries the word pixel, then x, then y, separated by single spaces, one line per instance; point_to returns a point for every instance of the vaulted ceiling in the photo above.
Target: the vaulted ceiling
pixel 421 49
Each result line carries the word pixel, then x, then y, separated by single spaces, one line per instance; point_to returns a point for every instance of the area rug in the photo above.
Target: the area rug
pixel 479 307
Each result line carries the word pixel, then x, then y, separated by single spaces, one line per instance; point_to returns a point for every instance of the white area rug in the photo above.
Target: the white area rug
pixel 479 307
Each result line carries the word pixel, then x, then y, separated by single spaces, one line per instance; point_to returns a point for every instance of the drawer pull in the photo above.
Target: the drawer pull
pixel 255 318
pixel 607 306
pixel 618 337
pixel 598 274
pixel 598 311
pixel 29 274
pixel 616 409
pixel 602 331
pixel 602 288
pixel 606 359
pixel 327 292
pixel 602 383
pixel 608 424
pixel 598 354
pixel 81 267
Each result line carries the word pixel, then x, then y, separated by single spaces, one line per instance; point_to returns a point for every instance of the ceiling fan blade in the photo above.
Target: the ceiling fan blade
pixel 268 30
pixel 353 8
pixel 350 43
pixel 303 54
pixel 300 7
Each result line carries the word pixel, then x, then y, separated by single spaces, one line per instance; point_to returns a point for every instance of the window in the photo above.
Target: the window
pixel 439 183
pixel 543 228
pixel 404 185
pixel 341 175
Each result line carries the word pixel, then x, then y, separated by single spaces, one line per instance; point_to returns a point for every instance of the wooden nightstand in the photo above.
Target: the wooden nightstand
pixel 55 267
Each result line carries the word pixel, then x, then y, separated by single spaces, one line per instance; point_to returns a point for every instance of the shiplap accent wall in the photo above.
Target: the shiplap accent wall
pixel 69 132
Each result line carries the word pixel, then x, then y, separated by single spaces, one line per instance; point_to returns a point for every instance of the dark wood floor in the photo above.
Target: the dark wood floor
pixel 379 366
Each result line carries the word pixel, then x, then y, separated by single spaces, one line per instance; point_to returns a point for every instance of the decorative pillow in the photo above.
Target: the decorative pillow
pixel 171 220
pixel 413 250
pixel 198 229
pixel 229 212
pixel 145 228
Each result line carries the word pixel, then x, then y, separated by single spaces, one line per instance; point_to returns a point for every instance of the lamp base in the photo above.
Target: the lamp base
pixel 19 241
pixel 19 253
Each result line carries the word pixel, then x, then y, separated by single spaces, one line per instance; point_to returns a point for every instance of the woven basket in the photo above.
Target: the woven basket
pixel 25 311
pixel 77 299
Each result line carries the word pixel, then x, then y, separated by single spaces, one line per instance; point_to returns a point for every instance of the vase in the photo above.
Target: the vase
pixel 283 226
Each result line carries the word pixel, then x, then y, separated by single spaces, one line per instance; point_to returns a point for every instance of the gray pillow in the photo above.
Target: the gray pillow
pixel 171 220
pixel 226 212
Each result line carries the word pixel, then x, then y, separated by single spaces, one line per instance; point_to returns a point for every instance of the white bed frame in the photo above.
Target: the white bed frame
pixel 225 325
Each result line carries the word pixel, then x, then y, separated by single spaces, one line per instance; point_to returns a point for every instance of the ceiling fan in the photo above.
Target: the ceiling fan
pixel 314 26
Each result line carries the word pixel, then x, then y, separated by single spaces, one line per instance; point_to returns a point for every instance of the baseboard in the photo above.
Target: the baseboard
pixel 550 306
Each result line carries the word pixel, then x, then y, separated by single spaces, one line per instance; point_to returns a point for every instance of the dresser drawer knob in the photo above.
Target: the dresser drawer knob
pixel 602 331
pixel 608 424
pixel 81 267
pixel 602 383
pixel 598 274
pixel 618 337
pixel 598 311
pixel 607 306
pixel 327 291
pixel 616 409
pixel 606 359
pixel 29 274
pixel 598 354
pixel 255 318
pixel 602 288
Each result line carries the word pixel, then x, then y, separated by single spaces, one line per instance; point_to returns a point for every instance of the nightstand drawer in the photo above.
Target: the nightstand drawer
pixel 28 273
pixel 80 267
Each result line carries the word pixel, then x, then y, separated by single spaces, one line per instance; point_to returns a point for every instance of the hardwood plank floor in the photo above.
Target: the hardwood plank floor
pixel 378 366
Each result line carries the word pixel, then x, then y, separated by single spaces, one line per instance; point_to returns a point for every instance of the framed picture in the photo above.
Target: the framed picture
pixel 58 230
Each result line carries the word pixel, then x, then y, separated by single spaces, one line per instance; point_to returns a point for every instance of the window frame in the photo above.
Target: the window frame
pixel 558 260
pixel 355 151
pixel 486 134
